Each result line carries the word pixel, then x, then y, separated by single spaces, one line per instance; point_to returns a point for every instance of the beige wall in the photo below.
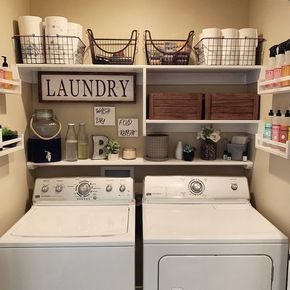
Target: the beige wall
pixel 164 18
pixel 13 181
pixel 271 175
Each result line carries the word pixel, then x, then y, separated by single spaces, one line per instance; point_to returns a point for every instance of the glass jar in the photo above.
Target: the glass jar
pixel 83 142
pixel 44 124
pixel 71 144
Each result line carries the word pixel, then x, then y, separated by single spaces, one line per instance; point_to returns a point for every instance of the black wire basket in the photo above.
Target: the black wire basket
pixel 229 51
pixel 168 52
pixel 112 50
pixel 58 49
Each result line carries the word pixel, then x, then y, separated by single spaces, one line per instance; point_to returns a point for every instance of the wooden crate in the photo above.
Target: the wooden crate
pixel 175 106
pixel 232 106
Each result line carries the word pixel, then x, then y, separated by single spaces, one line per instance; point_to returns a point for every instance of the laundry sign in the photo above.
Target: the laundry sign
pixel 90 87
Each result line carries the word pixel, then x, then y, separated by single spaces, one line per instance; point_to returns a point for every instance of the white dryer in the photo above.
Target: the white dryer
pixel 79 234
pixel 201 233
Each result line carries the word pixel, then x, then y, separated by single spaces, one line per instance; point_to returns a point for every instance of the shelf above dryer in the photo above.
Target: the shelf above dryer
pixel 141 162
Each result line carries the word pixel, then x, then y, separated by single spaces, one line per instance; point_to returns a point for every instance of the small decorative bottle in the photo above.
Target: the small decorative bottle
pixel 83 142
pixel 179 151
pixel 71 144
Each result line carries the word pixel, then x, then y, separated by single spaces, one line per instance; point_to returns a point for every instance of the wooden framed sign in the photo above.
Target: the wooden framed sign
pixel 85 86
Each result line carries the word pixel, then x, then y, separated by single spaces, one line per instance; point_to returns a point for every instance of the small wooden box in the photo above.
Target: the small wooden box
pixel 175 106
pixel 232 106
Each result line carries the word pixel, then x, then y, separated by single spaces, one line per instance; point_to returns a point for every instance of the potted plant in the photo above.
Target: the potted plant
pixel 188 152
pixel 8 134
pixel 209 138
pixel 112 149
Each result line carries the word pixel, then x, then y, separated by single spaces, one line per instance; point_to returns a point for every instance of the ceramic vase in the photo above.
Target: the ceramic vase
pixel 208 150
pixel 179 151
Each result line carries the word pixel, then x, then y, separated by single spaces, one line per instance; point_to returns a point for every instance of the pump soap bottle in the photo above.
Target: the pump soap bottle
pixel 280 60
pixel 283 137
pixel 270 69
pixel 287 115
pixel 276 126
pixel 286 66
pixel 268 126
pixel 7 73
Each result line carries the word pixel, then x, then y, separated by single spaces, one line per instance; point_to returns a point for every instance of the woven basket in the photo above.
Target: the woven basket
pixel 157 147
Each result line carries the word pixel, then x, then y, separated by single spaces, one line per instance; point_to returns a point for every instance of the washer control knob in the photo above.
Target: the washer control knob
pixel 84 188
pixel 234 186
pixel 58 188
pixel 122 188
pixel 196 187
pixel 109 188
pixel 44 188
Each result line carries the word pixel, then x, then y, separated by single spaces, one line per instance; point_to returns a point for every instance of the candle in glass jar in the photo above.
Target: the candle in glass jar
pixel 129 153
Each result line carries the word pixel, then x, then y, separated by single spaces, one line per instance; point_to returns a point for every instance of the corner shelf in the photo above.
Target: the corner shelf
pixel 15 87
pixel 273 147
pixel 19 145
pixel 276 90
pixel 141 161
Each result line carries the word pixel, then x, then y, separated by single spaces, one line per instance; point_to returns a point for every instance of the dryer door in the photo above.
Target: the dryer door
pixel 238 272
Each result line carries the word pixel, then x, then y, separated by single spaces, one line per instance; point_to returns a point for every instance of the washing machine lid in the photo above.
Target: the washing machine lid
pixel 75 225
pixel 207 223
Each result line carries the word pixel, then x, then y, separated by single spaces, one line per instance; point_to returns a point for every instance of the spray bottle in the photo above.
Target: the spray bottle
pixel 280 60
pixel 286 66
pixel 270 69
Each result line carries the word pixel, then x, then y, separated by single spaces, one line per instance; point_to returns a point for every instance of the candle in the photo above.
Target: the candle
pixel 129 153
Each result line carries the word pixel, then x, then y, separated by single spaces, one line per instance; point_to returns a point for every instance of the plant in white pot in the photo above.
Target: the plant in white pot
pixel 112 149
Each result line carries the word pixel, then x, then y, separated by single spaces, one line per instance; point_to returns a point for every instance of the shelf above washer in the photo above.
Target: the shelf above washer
pixel 141 162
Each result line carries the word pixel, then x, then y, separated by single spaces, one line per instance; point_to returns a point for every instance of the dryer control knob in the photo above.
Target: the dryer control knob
pixel 122 188
pixel 109 188
pixel 234 186
pixel 196 187
pixel 44 188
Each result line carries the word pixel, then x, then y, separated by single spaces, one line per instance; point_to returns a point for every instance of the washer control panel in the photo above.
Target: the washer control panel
pixel 83 188
pixel 190 188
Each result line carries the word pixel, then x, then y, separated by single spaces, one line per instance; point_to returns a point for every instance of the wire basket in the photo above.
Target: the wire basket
pixel 168 52
pixel 111 50
pixel 229 51
pixel 57 49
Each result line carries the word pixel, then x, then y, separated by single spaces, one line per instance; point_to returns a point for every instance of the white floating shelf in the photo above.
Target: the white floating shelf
pixel 273 147
pixel 155 126
pixel 180 74
pixel 142 161
pixel 276 90
pixel 19 145
pixel 15 87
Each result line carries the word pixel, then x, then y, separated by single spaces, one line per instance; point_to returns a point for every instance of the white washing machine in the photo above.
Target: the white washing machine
pixel 201 233
pixel 79 234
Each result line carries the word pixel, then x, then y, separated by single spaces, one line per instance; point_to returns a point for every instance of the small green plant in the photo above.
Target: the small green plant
pixel 112 147
pixel 188 148
pixel 8 132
